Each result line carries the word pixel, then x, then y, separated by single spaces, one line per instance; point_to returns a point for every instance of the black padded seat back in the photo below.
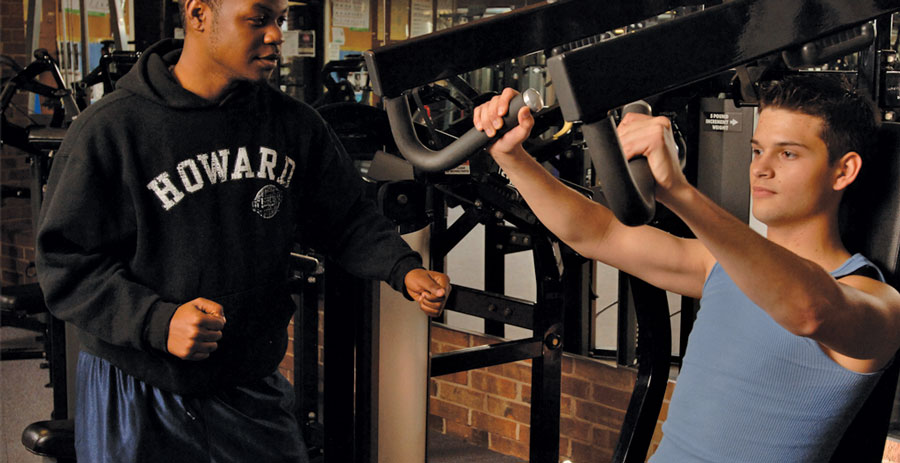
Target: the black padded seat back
pixel 872 226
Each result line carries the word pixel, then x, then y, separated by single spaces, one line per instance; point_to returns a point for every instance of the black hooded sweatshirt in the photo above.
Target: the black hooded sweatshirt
pixel 158 196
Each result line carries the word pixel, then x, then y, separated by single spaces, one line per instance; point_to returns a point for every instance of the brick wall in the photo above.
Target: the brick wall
pixel 490 407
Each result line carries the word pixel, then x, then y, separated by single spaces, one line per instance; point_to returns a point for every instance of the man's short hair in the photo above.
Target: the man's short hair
pixel 850 120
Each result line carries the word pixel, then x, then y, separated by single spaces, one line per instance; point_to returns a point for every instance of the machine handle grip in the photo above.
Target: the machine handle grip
pixel 462 148
pixel 628 185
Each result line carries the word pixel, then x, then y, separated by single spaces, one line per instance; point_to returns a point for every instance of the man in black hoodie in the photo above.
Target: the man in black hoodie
pixel 171 210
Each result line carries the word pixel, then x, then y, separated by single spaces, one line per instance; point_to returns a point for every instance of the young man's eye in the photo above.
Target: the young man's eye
pixel 789 154
pixel 755 152
pixel 258 20
pixel 281 20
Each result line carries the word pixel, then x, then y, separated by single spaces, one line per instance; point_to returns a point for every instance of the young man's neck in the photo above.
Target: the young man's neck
pixel 817 239
pixel 193 73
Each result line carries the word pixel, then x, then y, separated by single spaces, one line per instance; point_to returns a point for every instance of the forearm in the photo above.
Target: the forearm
pixel 573 218
pixel 797 293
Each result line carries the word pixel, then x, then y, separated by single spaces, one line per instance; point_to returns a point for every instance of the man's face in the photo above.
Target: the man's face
pixel 245 36
pixel 790 177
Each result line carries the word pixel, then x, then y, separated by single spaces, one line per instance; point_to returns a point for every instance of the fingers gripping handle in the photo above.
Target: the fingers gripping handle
pixel 627 185
pixel 465 146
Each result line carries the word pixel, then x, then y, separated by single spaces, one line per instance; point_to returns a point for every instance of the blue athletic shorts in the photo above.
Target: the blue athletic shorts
pixel 119 419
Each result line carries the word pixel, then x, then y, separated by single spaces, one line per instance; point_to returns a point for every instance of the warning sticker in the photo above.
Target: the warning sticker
pixel 722 122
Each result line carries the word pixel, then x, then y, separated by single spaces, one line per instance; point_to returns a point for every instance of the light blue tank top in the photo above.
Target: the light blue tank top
pixel 750 391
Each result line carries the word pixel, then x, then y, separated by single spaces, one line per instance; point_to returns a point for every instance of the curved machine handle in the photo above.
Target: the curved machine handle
pixel 627 184
pixel 455 153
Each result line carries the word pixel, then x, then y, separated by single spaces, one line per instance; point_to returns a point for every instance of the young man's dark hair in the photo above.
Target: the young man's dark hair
pixel 850 118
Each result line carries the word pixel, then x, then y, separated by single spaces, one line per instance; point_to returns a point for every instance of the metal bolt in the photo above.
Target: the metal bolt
pixel 507 312
pixel 310 279
pixel 492 308
pixel 498 214
pixel 478 203
pixel 402 199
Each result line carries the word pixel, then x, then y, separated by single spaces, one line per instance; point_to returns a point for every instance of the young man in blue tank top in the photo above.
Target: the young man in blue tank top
pixel 788 342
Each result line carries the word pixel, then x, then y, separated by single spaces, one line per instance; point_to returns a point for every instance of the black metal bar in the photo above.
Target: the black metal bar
pixel 21 354
pixel 494 270
pixel 445 239
pixel 306 363
pixel 449 52
pixel 367 353
pixel 56 357
pixel 491 306
pixel 341 301
pixel 592 80
pixel 654 350
pixel 546 370
pixel 485 356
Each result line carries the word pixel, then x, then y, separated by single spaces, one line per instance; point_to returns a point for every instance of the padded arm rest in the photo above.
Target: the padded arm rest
pixel 54 438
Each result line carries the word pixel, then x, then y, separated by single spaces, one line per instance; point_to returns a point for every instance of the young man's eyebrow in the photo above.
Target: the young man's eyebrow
pixel 782 143
pixel 265 8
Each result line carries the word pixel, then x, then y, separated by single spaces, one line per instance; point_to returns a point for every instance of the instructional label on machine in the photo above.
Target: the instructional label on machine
pixel 722 122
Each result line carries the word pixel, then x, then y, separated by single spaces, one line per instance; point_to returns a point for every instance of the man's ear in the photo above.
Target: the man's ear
pixel 846 170
pixel 196 15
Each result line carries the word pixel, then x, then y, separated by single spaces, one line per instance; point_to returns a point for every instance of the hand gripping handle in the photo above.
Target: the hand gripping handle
pixel 628 185
pixel 462 148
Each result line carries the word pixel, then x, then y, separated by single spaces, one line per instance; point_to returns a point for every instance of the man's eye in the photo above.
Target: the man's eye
pixel 789 154
pixel 755 152
pixel 281 21
pixel 258 20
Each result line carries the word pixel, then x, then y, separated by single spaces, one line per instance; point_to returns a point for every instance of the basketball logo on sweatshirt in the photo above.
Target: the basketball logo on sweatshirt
pixel 267 201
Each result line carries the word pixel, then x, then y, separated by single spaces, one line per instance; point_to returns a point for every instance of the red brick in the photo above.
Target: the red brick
pixel 461 377
pixel 524 433
pixel 597 372
pixel 507 409
pixel 614 398
pixel 566 406
pixel 585 452
pixel 575 429
pixel 435 423
pixel 494 425
pixel 568 365
pixel 517 371
pixel 565 449
pixel 448 336
pixel 599 414
pixel 670 388
pixel 449 411
pixel 509 447
pixel 605 438
pixel 457 429
pixel 575 387
pixel 493 384
pixel 526 393
pixel 462 396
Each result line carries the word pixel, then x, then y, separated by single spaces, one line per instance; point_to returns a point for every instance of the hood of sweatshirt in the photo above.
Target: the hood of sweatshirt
pixel 152 78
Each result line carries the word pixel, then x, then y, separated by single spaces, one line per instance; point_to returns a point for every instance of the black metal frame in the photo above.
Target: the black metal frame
pixel 443 54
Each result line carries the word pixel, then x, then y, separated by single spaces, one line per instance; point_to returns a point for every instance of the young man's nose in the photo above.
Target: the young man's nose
pixel 761 166
pixel 274 35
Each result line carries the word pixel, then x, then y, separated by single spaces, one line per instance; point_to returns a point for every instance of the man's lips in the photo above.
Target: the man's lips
pixel 761 192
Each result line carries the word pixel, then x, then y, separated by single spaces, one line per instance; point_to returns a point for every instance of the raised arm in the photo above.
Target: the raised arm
pixel 672 263
pixel 856 319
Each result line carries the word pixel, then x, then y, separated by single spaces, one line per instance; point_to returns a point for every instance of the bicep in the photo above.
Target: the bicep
pixel 675 264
